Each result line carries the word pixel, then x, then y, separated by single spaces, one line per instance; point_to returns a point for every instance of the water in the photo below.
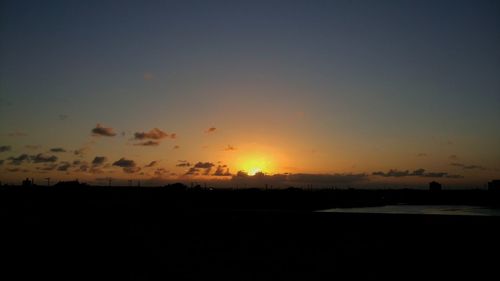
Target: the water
pixel 458 210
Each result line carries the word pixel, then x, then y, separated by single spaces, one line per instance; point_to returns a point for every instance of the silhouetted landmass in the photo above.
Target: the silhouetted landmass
pixel 73 231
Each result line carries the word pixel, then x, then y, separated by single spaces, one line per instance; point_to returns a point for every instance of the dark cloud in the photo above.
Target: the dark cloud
pixel 17 170
pixel 98 161
pixel 468 167
pixel 193 171
pixel 5 148
pixel 229 148
pixel 64 166
pixel 204 165
pixel 131 170
pixel 415 173
pixel 221 172
pixel 159 172
pixel 210 130
pixel 57 149
pixel 102 131
pixel 42 158
pixel 176 147
pixel 124 163
pixel 154 134
pixel 19 159
pixel 152 164
pixel 183 163
pixel 148 143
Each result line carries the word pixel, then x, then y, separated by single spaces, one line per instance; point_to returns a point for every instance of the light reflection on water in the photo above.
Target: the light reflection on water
pixel 461 210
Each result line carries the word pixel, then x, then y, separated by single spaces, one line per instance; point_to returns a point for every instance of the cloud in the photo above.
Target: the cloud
pixel 210 130
pixel 204 165
pixel 229 148
pixel 42 158
pixel 64 166
pixel 193 171
pixel 124 163
pixel 468 167
pixel 154 134
pixel 453 157
pixel 57 149
pixel 128 166
pixel 422 154
pixel 183 163
pixel 176 147
pixel 152 164
pixel 159 172
pixel 148 143
pixel 5 148
pixel 220 172
pixel 102 131
pixel 416 173
pixel 98 161
pixel 19 159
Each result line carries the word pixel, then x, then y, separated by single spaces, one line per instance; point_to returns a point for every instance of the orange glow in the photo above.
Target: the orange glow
pixel 255 164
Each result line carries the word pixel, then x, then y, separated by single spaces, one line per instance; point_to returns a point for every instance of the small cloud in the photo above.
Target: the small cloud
pixel 98 161
pixel 183 163
pixel 422 154
pixel 19 159
pixel 155 134
pixel 64 166
pixel 102 131
pixel 152 164
pixel 124 163
pixel 229 148
pixel 193 172
pixel 159 172
pixel 62 117
pixel 42 158
pixel 148 143
pixel 5 148
pixel 204 165
pixel 210 130
pixel 176 147
pixel 220 172
pixel 57 149
pixel 128 166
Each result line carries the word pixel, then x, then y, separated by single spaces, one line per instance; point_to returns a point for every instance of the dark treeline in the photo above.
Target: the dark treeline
pixel 179 196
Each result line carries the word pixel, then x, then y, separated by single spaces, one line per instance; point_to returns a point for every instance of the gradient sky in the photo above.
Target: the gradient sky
pixel 347 93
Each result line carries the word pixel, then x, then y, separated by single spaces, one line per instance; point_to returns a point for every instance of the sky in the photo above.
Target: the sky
pixel 303 93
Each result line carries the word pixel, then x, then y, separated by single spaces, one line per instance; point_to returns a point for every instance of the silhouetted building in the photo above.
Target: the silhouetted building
pixel 434 186
pixel 494 185
pixel 28 182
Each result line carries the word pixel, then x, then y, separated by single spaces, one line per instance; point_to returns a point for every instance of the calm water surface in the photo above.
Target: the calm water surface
pixel 462 210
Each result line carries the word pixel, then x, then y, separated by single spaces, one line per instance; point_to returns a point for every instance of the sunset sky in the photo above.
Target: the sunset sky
pixel 322 93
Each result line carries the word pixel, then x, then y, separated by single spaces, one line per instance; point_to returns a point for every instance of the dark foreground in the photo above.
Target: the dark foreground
pixel 46 239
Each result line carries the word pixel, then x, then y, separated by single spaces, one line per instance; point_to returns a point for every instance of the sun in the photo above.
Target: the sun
pixel 254 165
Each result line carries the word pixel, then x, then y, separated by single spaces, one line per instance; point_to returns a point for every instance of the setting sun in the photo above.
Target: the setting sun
pixel 255 165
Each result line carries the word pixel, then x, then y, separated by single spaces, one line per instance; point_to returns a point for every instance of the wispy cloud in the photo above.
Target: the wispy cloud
pixel 154 134
pixel 5 148
pixel 210 130
pixel 416 173
pixel 148 143
pixel 468 167
pixel 57 149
